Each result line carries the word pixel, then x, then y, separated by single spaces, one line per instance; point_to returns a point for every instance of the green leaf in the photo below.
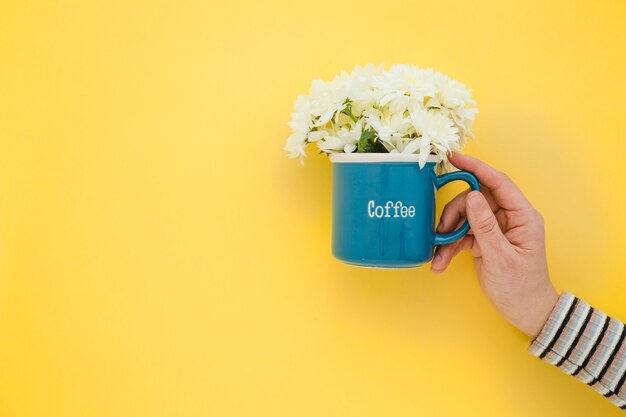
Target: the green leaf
pixel 379 147
pixel 348 111
pixel 365 140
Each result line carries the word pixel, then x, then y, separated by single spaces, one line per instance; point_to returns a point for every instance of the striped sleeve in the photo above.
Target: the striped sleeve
pixel 587 344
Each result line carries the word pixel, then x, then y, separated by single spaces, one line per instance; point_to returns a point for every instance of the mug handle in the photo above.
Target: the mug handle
pixel 440 181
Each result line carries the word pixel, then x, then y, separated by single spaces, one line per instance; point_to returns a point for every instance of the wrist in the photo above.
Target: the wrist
pixel 539 309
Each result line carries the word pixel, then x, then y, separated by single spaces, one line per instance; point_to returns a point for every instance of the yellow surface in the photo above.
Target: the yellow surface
pixel 159 255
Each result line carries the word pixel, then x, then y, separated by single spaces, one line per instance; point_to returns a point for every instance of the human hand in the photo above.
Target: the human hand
pixel 507 241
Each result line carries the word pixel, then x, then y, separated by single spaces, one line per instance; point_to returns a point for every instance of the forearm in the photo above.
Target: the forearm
pixel 585 343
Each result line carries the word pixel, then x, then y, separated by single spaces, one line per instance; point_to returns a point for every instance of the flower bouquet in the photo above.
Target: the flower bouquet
pixel 406 110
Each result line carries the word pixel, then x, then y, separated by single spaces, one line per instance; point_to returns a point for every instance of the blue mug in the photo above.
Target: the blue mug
pixel 384 209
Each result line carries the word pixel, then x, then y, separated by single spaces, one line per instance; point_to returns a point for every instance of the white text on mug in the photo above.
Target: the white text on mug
pixel 397 210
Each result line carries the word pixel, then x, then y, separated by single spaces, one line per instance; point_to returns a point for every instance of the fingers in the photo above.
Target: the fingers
pixel 455 210
pixel 452 217
pixel 504 191
pixel 444 254
pixel 451 214
pixel 487 232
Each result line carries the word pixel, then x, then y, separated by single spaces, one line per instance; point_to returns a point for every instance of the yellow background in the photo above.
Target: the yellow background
pixel 160 256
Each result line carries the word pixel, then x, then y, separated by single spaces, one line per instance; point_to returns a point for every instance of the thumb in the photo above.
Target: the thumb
pixel 484 225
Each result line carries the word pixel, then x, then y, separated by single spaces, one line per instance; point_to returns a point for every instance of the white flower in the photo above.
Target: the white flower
pixel 434 129
pixel 295 146
pixel 359 87
pixel 405 109
pixel 453 94
pixel 387 125
pixel 404 85
pixel 464 118
pixel 326 99
pixel 300 125
pixel 345 139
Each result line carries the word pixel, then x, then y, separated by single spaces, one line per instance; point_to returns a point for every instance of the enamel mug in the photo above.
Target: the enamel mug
pixel 383 209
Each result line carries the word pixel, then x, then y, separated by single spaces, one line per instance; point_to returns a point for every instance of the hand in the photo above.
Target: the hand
pixel 507 241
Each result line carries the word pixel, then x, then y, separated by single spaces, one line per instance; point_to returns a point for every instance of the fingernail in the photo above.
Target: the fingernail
pixel 437 257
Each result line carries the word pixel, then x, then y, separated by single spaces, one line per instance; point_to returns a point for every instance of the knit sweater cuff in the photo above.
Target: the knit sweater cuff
pixel 587 344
